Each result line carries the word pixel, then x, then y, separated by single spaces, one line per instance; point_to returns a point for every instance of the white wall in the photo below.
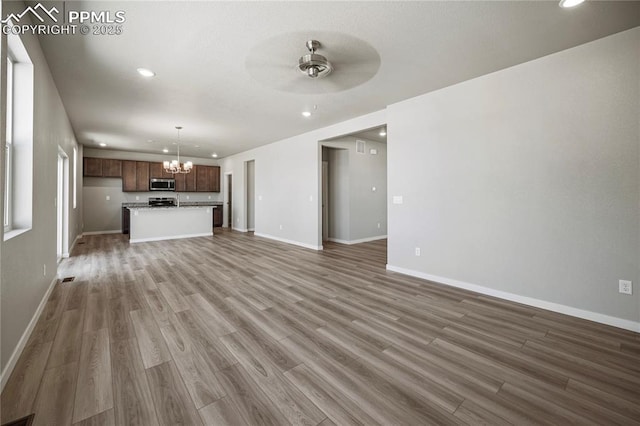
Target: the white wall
pixel 102 215
pixel 287 175
pixel 23 284
pixel 339 191
pixel 527 181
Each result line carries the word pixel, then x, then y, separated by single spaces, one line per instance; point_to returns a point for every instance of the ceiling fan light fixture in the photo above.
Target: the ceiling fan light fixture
pixel 312 64
pixel 570 3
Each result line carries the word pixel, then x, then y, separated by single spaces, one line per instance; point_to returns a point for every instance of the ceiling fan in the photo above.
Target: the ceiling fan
pixel 345 62
pixel 313 64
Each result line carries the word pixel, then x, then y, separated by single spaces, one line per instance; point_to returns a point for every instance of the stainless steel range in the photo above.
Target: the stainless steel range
pixel 162 202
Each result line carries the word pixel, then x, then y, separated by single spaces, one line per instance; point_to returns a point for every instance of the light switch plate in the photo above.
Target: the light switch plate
pixel 397 199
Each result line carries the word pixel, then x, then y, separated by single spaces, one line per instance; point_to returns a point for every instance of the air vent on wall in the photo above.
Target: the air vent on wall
pixel 360 146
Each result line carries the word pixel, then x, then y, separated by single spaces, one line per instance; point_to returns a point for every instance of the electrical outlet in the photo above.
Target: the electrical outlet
pixel 378 225
pixel 625 287
pixel 209 196
pixel 310 197
pixel 397 199
pixel 281 227
pixel 137 197
pixel 187 197
pixel 44 270
pixel 417 251
pixel 108 197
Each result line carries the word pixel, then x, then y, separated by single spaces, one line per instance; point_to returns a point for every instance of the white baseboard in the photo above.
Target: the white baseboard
pixel 240 229
pixel 114 231
pixel 13 359
pixel 530 301
pixel 174 237
pixel 361 240
pixel 283 240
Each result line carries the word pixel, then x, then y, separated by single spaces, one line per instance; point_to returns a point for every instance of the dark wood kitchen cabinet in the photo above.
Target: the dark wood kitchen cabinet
pixel 111 168
pixel 207 178
pixel 216 179
pixel 142 176
pixel 92 167
pixel 126 220
pixel 156 171
pixel 185 182
pixel 101 167
pixel 135 176
pixel 129 176
pixel 217 217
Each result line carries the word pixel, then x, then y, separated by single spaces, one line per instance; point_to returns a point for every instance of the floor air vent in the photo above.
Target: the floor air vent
pixel 68 279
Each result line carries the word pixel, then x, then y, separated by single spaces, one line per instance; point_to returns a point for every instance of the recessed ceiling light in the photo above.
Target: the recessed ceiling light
pixel 383 132
pixel 306 114
pixel 145 72
pixel 214 155
pixel 102 144
pixel 570 3
pixel 165 150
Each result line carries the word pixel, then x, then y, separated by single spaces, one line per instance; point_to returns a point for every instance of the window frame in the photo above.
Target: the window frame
pixel 8 147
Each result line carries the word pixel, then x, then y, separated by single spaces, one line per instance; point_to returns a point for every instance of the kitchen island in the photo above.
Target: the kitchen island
pixel 169 223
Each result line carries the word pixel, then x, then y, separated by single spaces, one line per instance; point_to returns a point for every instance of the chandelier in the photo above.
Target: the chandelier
pixel 174 166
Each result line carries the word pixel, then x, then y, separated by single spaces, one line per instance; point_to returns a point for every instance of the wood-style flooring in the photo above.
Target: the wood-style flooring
pixel 239 330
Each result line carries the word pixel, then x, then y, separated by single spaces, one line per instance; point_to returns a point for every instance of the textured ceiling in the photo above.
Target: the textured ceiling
pixel 206 56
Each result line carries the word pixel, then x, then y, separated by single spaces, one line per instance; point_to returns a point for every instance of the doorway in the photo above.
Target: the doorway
pixel 62 206
pixel 250 179
pixel 352 186
pixel 229 196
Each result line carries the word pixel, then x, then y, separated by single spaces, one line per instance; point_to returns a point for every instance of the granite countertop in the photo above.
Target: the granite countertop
pixel 182 204
pixel 147 207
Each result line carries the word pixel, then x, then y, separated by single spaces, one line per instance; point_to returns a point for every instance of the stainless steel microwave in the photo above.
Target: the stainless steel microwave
pixel 162 184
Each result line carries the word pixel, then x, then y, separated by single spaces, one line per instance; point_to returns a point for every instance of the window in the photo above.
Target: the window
pixel 75 176
pixel 18 176
pixel 8 181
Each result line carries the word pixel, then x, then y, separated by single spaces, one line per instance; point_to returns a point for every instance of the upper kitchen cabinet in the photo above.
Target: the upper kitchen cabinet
pixel 185 182
pixel 207 178
pixel 135 176
pixel 102 167
pixel 142 176
pixel 92 167
pixel 156 171
pixel 129 176
pixel 111 168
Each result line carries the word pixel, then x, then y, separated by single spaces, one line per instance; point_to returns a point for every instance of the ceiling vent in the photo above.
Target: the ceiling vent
pixel 312 64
